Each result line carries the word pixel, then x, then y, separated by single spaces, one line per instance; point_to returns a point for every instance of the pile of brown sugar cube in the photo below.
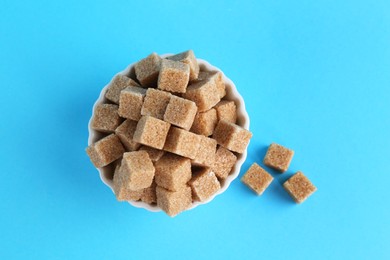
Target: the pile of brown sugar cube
pixel 279 158
pixel 169 132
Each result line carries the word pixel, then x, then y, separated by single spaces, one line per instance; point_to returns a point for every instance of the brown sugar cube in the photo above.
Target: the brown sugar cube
pixel 180 112
pixel 204 184
pixel 204 75
pixel 257 179
pixel 118 83
pixel 121 190
pixel 172 172
pixel 154 154
pixel 149 194
pixel 299 187
pixel 206 152
pixel 123 193
pixel 278 157
pixel 223 163
pixel 137 170
pixel 231 136
pixel 105 151
pixel 151 131
pixel 130 102
pixel 105 118
pixel 174 76
pixel 147 70
pixel 227 110
pixel 125 133
pixel 217 78
pixel 205 122
pixel 174 202
pixel 155 103
pixel 204 94
pixel 182 142
pixel 188 57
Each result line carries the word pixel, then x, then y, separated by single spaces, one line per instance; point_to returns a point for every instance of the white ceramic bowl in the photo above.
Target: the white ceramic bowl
pixel 106 173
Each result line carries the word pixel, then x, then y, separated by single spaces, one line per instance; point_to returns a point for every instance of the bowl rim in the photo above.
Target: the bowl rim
pixel 242 116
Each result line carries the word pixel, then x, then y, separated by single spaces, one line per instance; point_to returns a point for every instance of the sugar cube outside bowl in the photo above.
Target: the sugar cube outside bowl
pixel 106 173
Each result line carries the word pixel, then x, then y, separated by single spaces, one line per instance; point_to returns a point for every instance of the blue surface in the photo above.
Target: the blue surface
pixel 315 76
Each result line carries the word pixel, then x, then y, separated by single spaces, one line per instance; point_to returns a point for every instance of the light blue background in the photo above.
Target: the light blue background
pixel 315 76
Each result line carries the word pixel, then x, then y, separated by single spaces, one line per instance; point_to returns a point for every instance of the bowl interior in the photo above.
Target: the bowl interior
pixel 106 173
